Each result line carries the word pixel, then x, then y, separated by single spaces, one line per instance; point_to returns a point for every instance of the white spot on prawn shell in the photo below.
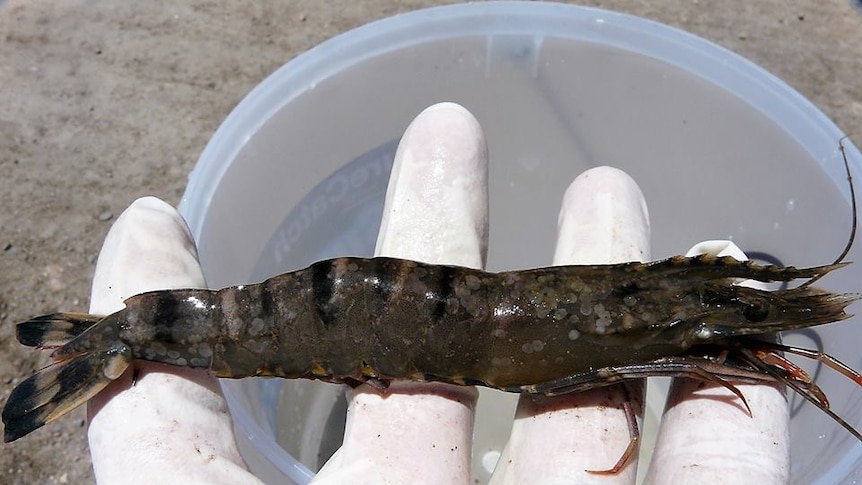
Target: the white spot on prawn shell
pixel 534 346
pixel 158 348
pixel 473 282
pixel 204 350
pixel 257 325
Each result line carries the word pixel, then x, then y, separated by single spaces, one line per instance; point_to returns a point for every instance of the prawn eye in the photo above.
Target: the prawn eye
pixel 756 311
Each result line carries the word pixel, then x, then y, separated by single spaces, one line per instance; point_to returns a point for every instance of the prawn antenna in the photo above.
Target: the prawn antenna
pixel 854 213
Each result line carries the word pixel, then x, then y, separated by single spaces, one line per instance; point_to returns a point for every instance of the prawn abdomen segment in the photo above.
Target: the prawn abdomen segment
pixel 176 327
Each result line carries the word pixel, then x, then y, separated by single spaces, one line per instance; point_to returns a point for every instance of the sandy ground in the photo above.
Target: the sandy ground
pixel 103 102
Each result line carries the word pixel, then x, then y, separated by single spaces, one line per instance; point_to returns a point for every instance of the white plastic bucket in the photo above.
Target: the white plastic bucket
pixel 720 148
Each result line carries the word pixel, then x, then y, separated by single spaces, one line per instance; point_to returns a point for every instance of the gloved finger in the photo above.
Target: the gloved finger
pixel 172 424
pixel 436 212
pixel 555 440
pixel 707 435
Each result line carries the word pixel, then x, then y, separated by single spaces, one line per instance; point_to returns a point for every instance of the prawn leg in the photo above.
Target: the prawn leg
pixel 700 368
pixel 764 357
pixel 634 437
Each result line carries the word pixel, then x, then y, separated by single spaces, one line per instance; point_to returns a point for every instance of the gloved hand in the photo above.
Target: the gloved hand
pixel 172 425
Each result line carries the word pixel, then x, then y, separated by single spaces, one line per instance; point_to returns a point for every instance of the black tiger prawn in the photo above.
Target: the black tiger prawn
pixel 542 331
pixel 351 320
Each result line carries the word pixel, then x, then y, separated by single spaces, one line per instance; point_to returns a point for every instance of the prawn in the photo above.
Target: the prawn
pixel 544 331
pixel 353 320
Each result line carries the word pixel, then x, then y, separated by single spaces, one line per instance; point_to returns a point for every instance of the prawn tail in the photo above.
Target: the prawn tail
pixel 55 329
pixel 82 367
